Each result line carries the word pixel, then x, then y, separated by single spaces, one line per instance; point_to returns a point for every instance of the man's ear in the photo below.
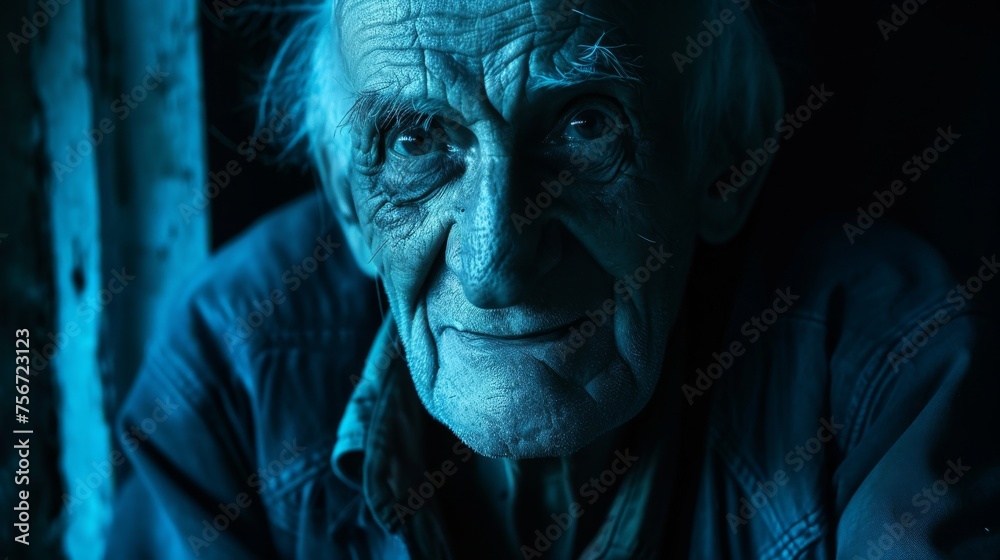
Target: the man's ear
pixel 338 192
pixel 740 137
pixel 726 203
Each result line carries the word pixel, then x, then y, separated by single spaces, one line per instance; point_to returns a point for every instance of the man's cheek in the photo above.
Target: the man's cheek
pixel 387 228
pixel 403 243
pixel 368 202
pixel 402 296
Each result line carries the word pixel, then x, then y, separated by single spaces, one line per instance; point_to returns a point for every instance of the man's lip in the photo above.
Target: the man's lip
pixel 540 335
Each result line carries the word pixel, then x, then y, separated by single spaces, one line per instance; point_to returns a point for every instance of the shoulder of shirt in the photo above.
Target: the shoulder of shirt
pixel 289 277
pixel 867 299
pixel 864 287
pixel 851 306
pixel 244 344
pixel 827 362
pixel 259 306
pixel 887 296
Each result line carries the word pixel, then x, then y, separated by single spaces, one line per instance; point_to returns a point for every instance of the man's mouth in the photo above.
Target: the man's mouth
pixel 530 335
pixel 575 350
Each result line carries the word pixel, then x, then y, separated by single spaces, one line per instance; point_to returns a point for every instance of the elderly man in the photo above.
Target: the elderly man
pixel 529 180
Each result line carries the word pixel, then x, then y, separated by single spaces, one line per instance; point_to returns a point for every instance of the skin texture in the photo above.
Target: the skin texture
pixel 486 304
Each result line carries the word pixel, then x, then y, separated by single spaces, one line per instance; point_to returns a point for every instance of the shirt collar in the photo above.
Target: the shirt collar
pixel 352 433
pixel 379 445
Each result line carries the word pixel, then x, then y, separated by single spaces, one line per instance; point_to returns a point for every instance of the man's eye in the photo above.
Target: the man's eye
pixel 592 138
pixel 589 124
pixel 418 141
pixel 593 122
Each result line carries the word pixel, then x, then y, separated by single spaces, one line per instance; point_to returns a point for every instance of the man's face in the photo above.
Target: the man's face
pixel 518 186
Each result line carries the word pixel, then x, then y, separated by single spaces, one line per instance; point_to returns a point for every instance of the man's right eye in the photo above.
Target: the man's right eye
pixel 418 154
pixel 418 141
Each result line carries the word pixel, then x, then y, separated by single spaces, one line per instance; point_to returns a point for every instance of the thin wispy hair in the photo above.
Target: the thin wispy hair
pixel 596 62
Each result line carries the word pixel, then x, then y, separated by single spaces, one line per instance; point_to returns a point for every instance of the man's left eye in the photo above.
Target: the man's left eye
pixel 590 123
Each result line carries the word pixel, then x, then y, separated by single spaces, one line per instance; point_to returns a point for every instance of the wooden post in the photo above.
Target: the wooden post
pixel 104 146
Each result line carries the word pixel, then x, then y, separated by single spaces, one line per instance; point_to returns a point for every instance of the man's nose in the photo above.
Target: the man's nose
pixel 497 253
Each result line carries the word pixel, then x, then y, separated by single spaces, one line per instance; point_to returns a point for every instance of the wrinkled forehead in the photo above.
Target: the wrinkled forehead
pixel 443 48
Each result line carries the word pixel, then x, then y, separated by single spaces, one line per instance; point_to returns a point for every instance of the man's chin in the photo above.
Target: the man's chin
pixel 510 402
pixel 525 435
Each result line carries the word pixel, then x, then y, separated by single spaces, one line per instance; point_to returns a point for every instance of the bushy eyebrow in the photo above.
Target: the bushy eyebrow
pixel 387 104
pixel 593 63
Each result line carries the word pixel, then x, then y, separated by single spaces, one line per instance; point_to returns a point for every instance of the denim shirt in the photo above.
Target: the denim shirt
pixel 850 415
